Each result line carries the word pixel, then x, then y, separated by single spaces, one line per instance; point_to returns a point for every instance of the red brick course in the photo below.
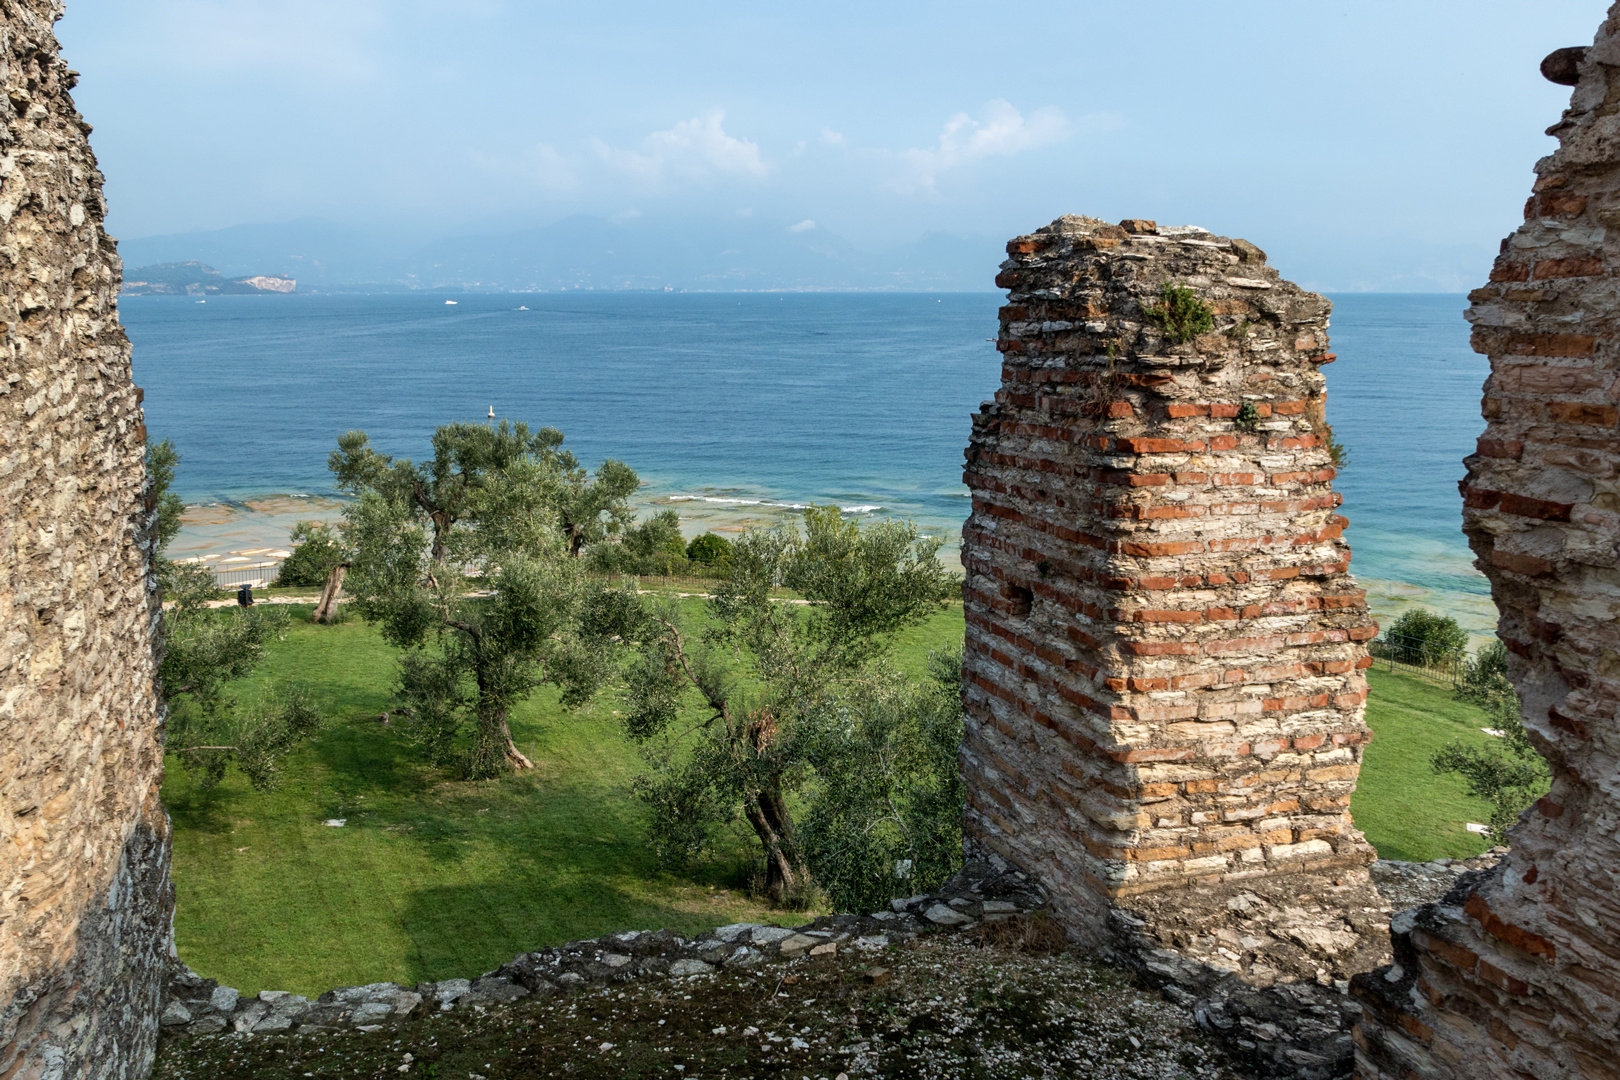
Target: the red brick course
pixel 1187 675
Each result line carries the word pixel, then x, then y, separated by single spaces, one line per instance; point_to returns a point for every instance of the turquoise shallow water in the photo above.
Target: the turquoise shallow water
pixel 734 407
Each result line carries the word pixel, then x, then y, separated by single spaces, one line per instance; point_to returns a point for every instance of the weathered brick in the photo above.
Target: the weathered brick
pixel 1093 493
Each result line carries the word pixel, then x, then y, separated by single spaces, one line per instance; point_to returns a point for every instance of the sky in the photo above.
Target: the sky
pixel 1366 146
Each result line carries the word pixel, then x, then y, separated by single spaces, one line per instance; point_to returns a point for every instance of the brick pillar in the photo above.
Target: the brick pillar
pixel 1163 663
pixel 1516 973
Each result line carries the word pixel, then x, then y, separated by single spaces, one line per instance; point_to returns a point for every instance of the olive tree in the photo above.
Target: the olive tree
pixel 207 654
pixel 443 490
pixel 724 710
pixel 1510 775
pixel 462 565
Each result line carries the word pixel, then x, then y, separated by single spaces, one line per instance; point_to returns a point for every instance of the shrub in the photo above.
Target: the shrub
pixel 884 817
pixel 709 549
pixel 653 546
pixel 1181 314
pixel 1424 637
pixel 1511 777
pixel 315 550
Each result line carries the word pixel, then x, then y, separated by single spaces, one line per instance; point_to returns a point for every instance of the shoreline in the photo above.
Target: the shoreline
pixel 249 526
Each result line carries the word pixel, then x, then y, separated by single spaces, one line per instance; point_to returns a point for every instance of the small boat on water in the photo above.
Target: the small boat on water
pixel 523 307
pixel 450 301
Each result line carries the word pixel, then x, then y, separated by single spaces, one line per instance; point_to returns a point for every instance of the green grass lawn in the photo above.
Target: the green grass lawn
pixel 432 877
pixel 1405 810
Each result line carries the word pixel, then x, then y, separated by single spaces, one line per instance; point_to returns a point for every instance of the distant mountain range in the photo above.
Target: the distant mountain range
pixel 587 253
pixel 193 278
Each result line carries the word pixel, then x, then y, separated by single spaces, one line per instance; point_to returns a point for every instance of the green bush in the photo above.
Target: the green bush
pixel 885 813
pixel 315 550
pixel 653 546
pixel 709 548
pixel 1510 778
pixel 1424 637
pixel 1181 314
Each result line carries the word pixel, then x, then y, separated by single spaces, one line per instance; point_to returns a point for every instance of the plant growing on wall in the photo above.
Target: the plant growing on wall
pixel 1316 413
pixel 726 712
pixel 206 655
pixel 474 583
pixel 1181 314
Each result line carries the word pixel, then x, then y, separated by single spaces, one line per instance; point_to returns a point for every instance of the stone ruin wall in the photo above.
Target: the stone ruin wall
pixel 1164 645
pixel 1516 973
pixel 1163 669
pixel 85 899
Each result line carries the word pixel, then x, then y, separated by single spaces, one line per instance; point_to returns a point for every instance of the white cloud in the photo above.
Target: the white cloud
pixel 831 137
pixel 999 131
pixel 541 166
pixel 691 149
pixel 804 226
pixel 270 38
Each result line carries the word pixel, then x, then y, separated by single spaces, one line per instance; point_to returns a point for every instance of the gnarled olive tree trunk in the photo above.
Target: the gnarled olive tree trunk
pixel 326 608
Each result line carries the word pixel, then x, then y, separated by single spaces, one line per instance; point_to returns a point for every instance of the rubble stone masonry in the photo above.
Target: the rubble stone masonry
pixel 1164 645
pixel 85 899
pixel 1516 972
pixel 1163 671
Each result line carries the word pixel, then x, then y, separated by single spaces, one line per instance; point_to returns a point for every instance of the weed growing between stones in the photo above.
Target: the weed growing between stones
pixel 946 1007
pixel 1316 413
pixel 1181 314
pixel 1248 417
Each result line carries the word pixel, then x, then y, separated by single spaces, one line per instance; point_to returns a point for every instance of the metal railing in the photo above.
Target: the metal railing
pixel 1415 656
pixel 260 574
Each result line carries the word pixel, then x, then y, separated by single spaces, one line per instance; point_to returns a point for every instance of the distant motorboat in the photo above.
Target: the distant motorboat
pixel 450 301
pixel 202 301
pixel 523 307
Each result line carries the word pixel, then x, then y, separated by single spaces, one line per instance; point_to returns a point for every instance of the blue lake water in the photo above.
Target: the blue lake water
pixel 733 406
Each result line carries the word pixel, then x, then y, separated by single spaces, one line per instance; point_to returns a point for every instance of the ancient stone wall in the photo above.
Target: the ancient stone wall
pixel 1164 645
pixel 1516 973
pixel 85 899
pixel 1163 665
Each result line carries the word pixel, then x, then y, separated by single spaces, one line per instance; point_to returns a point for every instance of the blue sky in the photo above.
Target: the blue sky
pixel 1364 145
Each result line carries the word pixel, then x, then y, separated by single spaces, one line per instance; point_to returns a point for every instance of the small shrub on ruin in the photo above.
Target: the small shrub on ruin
pixel 1248 417
pixel 1316 414
pixel 1102 389
pixel 1181 314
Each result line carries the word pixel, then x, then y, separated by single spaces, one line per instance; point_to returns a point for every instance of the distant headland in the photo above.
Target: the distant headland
pixel 199 279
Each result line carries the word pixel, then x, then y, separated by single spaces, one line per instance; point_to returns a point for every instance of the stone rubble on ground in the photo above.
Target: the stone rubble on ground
pixel 194 1005
pixel 1285 1020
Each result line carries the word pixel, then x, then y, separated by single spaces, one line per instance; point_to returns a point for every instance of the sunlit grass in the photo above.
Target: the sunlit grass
pixel 433 877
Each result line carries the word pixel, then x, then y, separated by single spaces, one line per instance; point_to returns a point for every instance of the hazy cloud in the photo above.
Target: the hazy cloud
pixel 1000 130
pixel 804 226
pixel 691 149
